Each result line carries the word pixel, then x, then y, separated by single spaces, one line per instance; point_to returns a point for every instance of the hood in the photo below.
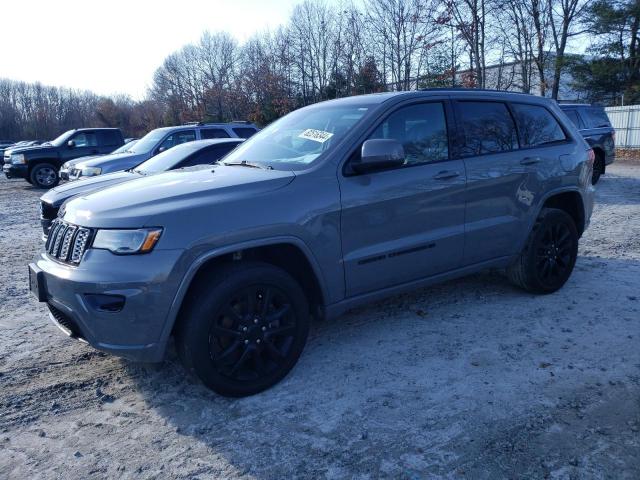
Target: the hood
pixel 102 160
pixel 34 150
pixel 56 196
pixel 132 204
pixel 75 161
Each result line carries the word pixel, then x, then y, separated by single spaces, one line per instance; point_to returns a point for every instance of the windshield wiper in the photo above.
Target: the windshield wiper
pixel 245 163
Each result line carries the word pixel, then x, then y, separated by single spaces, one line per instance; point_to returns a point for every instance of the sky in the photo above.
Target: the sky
pixel 114 46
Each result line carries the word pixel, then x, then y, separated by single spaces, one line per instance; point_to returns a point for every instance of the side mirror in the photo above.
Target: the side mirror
pixel 161 149
pixel 71 143
pixel 379 154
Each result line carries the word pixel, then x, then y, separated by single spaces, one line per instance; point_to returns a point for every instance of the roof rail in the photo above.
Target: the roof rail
pixel 246 122
pixel 467 89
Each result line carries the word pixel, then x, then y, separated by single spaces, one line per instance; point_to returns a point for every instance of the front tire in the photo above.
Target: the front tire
pixel 244 328
pixel 44 175
pixel 548 258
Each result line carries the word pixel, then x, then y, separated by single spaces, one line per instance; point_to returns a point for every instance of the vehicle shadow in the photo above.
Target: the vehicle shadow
pixel 618 190
pixel 403 386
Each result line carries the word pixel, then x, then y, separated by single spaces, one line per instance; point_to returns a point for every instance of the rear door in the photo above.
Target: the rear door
pixel 512 153
pixel 489 143
pixel 406 223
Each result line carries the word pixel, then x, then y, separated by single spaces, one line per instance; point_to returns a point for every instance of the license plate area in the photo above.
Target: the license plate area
pixel 36 283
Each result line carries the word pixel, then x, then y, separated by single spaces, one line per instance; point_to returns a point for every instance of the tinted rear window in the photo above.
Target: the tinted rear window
pixel 488 128
pixel 597 117
pixel 536 125
pixel 244 132
pixel 213 133
pixel 111 138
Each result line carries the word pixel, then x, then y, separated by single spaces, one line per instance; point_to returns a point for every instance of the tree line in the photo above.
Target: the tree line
pixel 331 50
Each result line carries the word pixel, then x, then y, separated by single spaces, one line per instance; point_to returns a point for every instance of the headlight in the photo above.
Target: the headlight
pixel 18 158
pixel 65 166
pixel 90 171
pixel 126 242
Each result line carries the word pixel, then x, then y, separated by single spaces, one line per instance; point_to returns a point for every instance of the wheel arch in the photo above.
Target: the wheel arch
pixel 289 253
pixel 31 164
pixel 568 200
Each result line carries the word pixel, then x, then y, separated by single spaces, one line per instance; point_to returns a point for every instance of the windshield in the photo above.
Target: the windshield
pixel 167 159
pixel 299 138
pixel 62 139
pixel 146 143
pixel 124 148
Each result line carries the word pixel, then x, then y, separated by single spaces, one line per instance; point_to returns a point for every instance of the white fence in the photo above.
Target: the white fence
pixel 626 121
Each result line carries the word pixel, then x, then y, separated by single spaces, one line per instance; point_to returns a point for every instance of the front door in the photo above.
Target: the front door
pixel 406 223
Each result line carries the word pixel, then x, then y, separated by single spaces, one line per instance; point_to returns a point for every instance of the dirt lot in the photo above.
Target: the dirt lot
pixel 469 379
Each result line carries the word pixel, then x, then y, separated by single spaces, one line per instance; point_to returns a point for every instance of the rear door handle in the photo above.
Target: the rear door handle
pixel 530 161
pixel 446 174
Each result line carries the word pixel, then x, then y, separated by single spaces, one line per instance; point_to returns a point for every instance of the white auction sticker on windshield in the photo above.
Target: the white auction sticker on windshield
pixel 316 135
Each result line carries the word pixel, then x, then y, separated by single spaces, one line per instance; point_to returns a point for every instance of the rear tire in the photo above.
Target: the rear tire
pixel 44 175
pixel 548 258
pixel 243 329
pixel 598 169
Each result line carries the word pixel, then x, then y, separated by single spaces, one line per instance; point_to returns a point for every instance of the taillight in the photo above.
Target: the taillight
pixel 591 157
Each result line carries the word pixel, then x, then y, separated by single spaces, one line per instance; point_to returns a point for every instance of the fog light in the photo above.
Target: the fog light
pixel 105 303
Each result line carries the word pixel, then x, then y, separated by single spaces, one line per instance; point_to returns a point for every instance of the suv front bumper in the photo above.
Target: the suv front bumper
pixel 81 299
pixel 15 171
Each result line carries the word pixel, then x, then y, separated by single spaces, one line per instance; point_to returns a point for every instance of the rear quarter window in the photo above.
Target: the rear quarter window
pixel 597 117
pixel 536 125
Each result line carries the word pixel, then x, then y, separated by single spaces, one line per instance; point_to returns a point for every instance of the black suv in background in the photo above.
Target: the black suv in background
pixel 594 125
pixel 39 165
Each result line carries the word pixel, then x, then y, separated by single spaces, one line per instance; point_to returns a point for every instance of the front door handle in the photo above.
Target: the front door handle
pixel 446 174
pixel 530 161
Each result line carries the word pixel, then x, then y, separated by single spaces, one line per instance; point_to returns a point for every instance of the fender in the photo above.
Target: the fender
pixel 540 205
pixel 217 252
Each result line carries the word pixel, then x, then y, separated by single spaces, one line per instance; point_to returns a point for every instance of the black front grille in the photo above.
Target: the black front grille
pixel 67 242
pixel 48 211
pixel 65 321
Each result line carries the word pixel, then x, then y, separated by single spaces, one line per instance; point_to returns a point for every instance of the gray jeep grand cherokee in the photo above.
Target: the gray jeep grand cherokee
pixel 336 204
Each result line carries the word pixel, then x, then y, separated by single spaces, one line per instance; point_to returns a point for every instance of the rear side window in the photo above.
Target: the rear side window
pixel 244 132
pixel 536 125
pixel 573 116
pixel 597 117
pixel 422 130
pixel 488 128
pixel 110 138
pixel 213 133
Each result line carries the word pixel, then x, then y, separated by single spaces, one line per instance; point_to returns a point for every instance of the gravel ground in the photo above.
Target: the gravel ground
pixel 469 379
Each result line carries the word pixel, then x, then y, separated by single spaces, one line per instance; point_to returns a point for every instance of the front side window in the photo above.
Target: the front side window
pixel 536 125
pixel 487 128
pixel 422 131
pixel 86 139
pixel 299 138
pixel 177 138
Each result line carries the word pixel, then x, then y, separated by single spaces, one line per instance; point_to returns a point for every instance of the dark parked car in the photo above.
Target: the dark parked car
pixel 594 125
pixel 158 141
pixel 200 152
pixel 39 165
pixel 68 166
pixel 335 204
